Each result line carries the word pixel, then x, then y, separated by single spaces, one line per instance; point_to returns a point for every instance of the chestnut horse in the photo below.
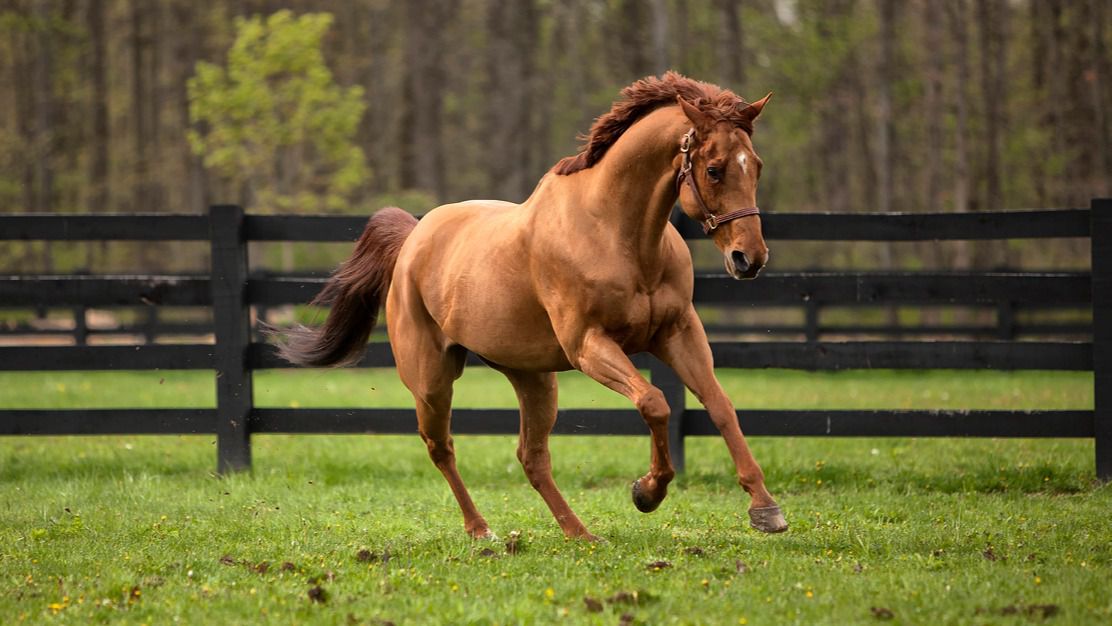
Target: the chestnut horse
pixel 585 272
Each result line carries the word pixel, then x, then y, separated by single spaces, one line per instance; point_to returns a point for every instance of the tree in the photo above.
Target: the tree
pixel 274 123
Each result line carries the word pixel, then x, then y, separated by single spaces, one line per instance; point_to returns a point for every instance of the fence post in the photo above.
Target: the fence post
pixel 231 322
pixel 666 380
pixel 1101 234
pixel 80 326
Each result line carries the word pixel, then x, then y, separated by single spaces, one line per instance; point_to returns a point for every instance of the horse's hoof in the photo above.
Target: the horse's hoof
pixel 641 500
pixel 484 534
pixel 768 519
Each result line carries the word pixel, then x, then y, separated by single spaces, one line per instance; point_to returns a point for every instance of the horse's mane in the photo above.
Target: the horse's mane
pixel 641 98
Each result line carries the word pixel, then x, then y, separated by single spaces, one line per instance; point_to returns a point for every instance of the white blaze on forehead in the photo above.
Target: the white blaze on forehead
pixel 741 160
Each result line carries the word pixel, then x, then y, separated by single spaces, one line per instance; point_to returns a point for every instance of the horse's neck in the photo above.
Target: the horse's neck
pixel 631 191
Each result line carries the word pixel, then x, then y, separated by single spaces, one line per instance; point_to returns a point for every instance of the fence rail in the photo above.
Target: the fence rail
pixel 229 291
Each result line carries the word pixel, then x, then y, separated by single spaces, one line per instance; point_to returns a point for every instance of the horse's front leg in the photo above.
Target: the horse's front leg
pixel 684 347
pixel 599 357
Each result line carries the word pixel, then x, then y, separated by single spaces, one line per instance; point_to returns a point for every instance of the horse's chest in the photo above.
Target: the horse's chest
pixel 632 318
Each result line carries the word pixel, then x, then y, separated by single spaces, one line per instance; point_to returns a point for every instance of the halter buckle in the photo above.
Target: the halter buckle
pixel 710 224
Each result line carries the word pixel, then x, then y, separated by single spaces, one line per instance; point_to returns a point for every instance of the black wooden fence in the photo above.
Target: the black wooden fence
pixel 230 291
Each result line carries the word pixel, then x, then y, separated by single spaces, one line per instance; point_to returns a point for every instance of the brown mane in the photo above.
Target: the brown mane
pixel 641 98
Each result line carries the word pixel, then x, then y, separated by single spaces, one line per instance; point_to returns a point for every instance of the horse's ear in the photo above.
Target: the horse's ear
pixel 701 120
pixel 754 109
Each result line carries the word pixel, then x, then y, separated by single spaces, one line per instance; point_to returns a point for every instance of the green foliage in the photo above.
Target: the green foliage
pixel 274 120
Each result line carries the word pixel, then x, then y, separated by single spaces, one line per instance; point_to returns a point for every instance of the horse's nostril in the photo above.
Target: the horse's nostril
pixel 741 262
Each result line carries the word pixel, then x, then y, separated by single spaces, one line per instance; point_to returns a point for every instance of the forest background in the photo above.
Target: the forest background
pixel 880 105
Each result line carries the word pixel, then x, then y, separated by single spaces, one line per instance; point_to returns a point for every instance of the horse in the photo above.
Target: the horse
pixel 585 272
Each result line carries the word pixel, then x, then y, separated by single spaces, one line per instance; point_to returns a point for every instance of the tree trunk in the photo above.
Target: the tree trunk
pixel 1095 77
pixel 42 177
pixel 422 147
pixel 990 23
pixel 512 26
pixel 957 13
pixel 662 39
pixel 731 46
pixel 98 146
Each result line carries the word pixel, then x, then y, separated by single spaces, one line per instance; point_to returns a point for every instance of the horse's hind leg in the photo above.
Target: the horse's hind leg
pixel 536 393
pixel 429 372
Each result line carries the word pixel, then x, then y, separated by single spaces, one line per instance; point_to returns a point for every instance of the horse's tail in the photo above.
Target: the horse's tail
pixel 355 291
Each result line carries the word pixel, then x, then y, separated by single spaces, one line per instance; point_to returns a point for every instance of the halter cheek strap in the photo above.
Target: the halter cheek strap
pixel 710 220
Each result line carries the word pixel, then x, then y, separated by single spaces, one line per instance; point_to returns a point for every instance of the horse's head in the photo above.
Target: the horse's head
pixel 718 184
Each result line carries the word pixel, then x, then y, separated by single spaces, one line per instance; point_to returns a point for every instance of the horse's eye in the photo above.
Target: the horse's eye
pixel 714 173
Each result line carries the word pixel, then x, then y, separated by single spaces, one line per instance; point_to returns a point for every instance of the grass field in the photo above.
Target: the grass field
pixel 354 529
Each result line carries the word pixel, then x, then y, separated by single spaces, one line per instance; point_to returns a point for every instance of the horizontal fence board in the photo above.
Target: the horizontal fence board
pixel 337 228
pixel 776 226
pixel 1038 224
pixel 110 227
pixel 104 290
pixel 858 288
pixel 107 421
pixel 898 423
pixel 464 421
pixel 1000 355
pixel 878 288
pixel 78 358
pixel 889 330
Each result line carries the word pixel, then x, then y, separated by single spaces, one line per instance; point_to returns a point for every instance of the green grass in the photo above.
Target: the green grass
pixel 138 530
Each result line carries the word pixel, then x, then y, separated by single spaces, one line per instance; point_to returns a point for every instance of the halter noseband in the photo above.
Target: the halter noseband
pixel 710 220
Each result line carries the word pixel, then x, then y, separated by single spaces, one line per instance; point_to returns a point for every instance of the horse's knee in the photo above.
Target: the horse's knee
pixel 653 407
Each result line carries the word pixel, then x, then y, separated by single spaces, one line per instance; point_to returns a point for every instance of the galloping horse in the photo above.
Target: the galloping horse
pixel 585 272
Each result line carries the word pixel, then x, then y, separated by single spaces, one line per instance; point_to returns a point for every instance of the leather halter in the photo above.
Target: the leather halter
pixel 710 220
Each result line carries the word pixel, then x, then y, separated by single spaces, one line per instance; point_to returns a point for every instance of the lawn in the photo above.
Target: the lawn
pixel 357 529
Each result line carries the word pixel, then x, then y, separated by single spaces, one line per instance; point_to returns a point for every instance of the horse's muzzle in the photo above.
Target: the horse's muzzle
pixel 741 267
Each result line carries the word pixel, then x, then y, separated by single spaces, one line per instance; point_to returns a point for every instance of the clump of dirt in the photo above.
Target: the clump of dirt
pixel 593 605
pixel 881 612
pixel 630 597
pixel 513 543
pixel 366 556
pixel 694 551
pixel 318 595
pixel 656 566
pixel 288 567
pixel 1037 611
